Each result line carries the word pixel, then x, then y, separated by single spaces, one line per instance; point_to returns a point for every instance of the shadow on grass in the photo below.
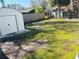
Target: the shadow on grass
pixel 28 36
pixel 20 38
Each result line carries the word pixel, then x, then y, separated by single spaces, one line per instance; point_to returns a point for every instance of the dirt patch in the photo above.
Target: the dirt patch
pixel 13 51
pixel 67 46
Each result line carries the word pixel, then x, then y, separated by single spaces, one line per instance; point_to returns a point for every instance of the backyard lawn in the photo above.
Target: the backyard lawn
pixel 62 40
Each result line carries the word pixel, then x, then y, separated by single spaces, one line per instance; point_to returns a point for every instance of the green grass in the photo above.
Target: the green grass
pixel 63 40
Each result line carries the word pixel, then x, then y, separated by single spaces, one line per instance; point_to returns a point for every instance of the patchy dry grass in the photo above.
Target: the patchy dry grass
pixel 63 40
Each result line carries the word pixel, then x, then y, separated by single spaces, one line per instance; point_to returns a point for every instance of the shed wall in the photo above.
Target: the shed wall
pixel 18 16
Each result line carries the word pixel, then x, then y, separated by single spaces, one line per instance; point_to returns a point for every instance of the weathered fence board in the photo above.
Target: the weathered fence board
pixel 33 17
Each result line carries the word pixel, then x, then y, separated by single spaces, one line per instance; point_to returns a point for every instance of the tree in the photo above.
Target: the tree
pixel 47 5
pixel 39 10
pixel 61 3
pixel 3 4
pixel 36 4
pixel 53 3
pixel 76 7
pixel 16 6
pixel 44 5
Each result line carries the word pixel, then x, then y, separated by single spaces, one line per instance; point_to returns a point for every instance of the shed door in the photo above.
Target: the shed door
pixel 8 24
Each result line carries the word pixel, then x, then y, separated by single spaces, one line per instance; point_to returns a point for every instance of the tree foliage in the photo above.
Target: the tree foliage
pixel 45 4
pixel 53 2
pixel 63 2
pixel 39 10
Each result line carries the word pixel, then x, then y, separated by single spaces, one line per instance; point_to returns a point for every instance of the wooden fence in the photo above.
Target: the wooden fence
pixel 33 17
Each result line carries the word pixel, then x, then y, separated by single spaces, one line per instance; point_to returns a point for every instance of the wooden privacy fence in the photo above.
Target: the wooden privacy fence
pixel 33 17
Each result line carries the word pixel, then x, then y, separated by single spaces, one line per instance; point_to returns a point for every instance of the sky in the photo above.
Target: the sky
pixel 25 3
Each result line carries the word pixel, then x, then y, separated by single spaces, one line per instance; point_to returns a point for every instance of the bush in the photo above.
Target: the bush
pixel 39 10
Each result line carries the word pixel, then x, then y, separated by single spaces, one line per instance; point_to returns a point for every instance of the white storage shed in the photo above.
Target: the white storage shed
pixel 11 21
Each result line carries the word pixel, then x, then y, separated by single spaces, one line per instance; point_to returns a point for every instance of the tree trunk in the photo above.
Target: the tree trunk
pixel 59 11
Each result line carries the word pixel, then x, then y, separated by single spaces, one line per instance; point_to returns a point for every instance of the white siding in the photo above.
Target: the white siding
pixel 8 24
pixel 10 21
